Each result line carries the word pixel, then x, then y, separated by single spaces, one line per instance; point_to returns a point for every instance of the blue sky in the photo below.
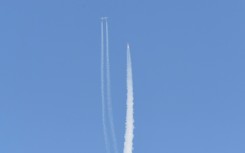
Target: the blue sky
pixel 188 64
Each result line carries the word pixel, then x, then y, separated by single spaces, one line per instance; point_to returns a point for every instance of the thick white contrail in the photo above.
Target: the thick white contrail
pixel 102 90
pixel 109 104
pixel 129 133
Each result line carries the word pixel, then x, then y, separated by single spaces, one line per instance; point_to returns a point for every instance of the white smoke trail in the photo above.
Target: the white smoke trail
pixel 110 113
pixel 129 133
pixel 102 91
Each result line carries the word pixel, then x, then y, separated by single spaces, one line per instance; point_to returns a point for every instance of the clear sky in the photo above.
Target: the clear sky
pixel 188 65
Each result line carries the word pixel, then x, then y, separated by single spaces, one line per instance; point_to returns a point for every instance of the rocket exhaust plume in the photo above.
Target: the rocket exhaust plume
pixel 106 90
pixel 129 133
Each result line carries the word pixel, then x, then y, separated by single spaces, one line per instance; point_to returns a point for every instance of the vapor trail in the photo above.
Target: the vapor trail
pixel 129 133
pixel 110 113
pixel 102 90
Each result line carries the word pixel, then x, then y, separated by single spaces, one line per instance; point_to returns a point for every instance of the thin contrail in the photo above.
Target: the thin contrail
pixel 102 91
pixel 110 113
pixel 129 133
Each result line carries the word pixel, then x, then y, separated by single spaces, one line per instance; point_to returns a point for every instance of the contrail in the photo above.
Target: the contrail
pixel 110 113
pixel 102 91
pixel 129 133
pixel 107 114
